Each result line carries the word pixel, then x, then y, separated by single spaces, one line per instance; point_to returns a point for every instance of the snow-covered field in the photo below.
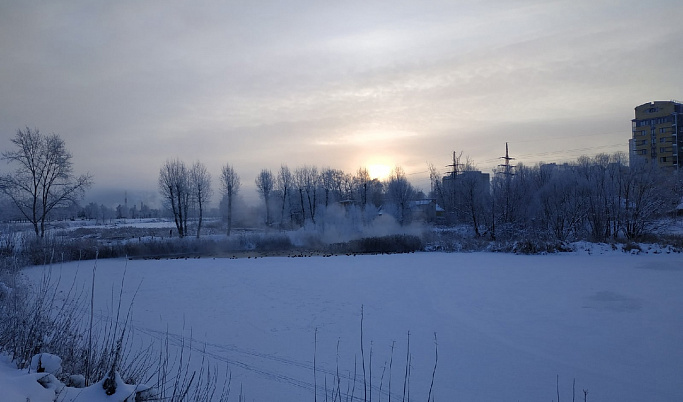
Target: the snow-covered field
pixel 507 325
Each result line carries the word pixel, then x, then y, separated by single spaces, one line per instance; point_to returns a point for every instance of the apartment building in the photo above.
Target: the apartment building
pixel 657 134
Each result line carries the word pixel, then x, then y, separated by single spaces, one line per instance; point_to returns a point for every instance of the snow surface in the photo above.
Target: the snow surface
pixel 48 363
pixel 507 325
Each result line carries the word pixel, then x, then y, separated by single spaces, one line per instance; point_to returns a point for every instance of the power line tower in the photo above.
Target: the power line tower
pixel 507 172
pixel 507 167
pixel 449 189
pixel 455 165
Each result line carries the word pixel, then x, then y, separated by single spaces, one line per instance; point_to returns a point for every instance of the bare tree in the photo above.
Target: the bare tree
pixel 174 184
pixel 597 192
pixel 361 181
pixel 560 206
pixel 472 195
pixel 307 179
pixel 265 184
pixel 436 179
pixel 648 194
pixel 44 177
pixel 285 182
pixel 230 186
pixel 400 192
pixel 332 182
pixel 200 182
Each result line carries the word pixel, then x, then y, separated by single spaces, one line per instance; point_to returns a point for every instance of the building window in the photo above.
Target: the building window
pixel 662 159
pixel 663 139
pixel 662 130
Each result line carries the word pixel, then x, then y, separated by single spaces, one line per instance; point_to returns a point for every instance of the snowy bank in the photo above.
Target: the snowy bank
pixel 508 325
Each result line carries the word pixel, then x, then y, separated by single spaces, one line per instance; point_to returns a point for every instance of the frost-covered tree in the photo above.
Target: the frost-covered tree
pixel 361 183
pixel 399 193
pixel 561 210
pixel 265 184
pixel 332 182
pixel 647 194
pixel 200 183
pixel 464 193
pixel 473 196
pixel 284 185
pixel 306 179
pixel 230 186
pixel 43 179
pixel 175 188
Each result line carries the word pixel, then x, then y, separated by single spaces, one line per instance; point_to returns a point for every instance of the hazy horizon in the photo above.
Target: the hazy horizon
pixel 129 85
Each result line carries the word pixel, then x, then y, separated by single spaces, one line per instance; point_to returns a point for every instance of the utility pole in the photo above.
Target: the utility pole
pixel 450 205
pixel 456 163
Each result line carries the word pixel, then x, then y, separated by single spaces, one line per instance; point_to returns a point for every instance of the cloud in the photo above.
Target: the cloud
pixel 130 84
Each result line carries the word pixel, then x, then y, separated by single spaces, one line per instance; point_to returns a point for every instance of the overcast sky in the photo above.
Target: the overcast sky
pixel 344 84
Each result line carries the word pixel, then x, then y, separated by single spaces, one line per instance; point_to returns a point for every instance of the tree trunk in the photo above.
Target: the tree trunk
pixel 179 222
pixel 229 213
pixel 199 224
pixel 282 213
pixel 303 211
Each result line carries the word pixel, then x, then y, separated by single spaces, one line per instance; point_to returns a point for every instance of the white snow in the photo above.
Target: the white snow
pixel 29 385
pixel 18 386
pixel 47 363
pixel 507 325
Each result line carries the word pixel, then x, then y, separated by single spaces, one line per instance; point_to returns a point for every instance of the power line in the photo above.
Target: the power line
pixel 507 167
pixel 561 151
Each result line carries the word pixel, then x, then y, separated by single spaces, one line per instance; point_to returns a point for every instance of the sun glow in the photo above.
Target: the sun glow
pixel 379 171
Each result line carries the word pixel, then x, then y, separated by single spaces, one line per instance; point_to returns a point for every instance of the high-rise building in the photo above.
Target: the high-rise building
pixel 657 134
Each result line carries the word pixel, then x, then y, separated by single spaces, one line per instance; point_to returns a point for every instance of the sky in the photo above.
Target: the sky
pixel 129 84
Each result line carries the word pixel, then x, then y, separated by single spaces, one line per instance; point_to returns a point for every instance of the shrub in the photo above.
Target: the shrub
pixel 631 247
pixel 280 242
pixel 35 326
pixel 399 243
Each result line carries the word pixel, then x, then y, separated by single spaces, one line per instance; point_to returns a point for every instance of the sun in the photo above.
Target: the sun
pixel 379 171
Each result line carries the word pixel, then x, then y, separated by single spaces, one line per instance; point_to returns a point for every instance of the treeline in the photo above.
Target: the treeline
pixel 291 198
pixel 594 198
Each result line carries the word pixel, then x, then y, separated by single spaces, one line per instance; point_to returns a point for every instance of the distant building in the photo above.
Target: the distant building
pixel 657 133
pixel 424 209
pixel 467 175
pixel 458 189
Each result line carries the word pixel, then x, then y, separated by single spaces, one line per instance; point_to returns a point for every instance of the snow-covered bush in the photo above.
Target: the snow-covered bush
pixel 46 363
pixel 46 332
